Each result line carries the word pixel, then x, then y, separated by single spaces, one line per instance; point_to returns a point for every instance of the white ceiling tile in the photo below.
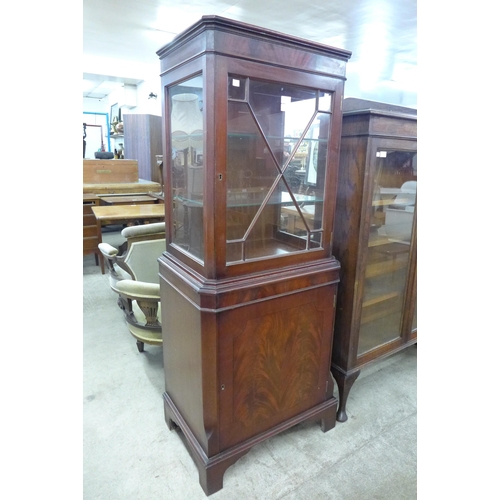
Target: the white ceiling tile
pixel 120 40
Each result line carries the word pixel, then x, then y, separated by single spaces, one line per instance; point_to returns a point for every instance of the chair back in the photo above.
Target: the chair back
pixel 141 260
pixel 407 196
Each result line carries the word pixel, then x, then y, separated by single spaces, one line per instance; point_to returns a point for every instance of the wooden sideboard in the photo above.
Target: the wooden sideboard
pixel 140 187
pixel 110 171
pixel 115 177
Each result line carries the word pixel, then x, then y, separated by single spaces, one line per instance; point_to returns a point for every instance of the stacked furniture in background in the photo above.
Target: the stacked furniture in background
pixel 110 182
pixel 115 177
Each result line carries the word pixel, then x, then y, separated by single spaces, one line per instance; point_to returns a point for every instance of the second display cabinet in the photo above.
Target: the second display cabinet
pixel 375 238
pixel 248 282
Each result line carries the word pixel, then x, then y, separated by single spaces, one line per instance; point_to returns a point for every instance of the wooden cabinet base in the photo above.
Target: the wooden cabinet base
pixel 246 358
pixel 211 469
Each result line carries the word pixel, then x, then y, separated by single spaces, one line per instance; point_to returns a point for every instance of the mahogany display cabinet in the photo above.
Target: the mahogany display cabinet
pixel 252 122
pixel 375 238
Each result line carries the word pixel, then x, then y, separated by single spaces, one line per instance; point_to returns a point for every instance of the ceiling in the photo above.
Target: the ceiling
pixel 120 38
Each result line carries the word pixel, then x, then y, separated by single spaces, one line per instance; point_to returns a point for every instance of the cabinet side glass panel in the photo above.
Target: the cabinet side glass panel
pixel 391 225
pixel 276 160
pixel 186 126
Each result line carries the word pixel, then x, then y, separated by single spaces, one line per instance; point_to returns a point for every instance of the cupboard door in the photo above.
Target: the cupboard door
pixel 385 280
pixel 274 361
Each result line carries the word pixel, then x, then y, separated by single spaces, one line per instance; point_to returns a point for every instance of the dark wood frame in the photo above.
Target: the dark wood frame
pixel 219 319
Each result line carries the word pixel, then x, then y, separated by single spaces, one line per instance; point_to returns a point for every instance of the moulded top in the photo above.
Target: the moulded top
pixel 353 104
pixel 238 27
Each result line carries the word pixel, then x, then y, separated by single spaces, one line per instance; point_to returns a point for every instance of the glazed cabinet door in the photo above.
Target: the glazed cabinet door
pixel 277 141
pixel 388 279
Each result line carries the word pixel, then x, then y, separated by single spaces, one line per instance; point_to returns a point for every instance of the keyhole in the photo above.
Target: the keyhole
pixel 220 177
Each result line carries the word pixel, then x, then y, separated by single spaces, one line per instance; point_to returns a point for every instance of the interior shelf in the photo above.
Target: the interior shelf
pixel 387 311
pixel 385 267
pixel 381 298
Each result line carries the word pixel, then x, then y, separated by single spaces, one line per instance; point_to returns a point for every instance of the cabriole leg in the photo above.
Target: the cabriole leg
pixel 345 382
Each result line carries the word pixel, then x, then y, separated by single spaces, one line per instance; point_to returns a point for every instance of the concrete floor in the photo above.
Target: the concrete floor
pixel 129 453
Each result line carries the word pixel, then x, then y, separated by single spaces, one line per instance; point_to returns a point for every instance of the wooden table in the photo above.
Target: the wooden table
pixel 129 199
pixel 140 187
pixel 122 214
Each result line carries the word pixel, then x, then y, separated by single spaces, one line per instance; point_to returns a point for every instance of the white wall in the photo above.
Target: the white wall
pixel 145 105
pixel 95 105
pixel 135 100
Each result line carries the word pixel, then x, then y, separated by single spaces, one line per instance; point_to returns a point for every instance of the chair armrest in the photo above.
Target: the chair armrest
pixel 110 254
pixel 138 290
pixel 107 250
pixel 144 229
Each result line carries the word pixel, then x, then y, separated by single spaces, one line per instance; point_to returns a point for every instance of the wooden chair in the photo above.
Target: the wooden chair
pixel 114 257
pixel 134 277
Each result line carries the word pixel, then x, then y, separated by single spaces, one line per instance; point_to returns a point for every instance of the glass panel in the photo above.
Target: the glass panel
pixel 237 88
pixel 277 143
pixel 250 172
pixel 325 102
pixel 393 207
pixel 186 125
